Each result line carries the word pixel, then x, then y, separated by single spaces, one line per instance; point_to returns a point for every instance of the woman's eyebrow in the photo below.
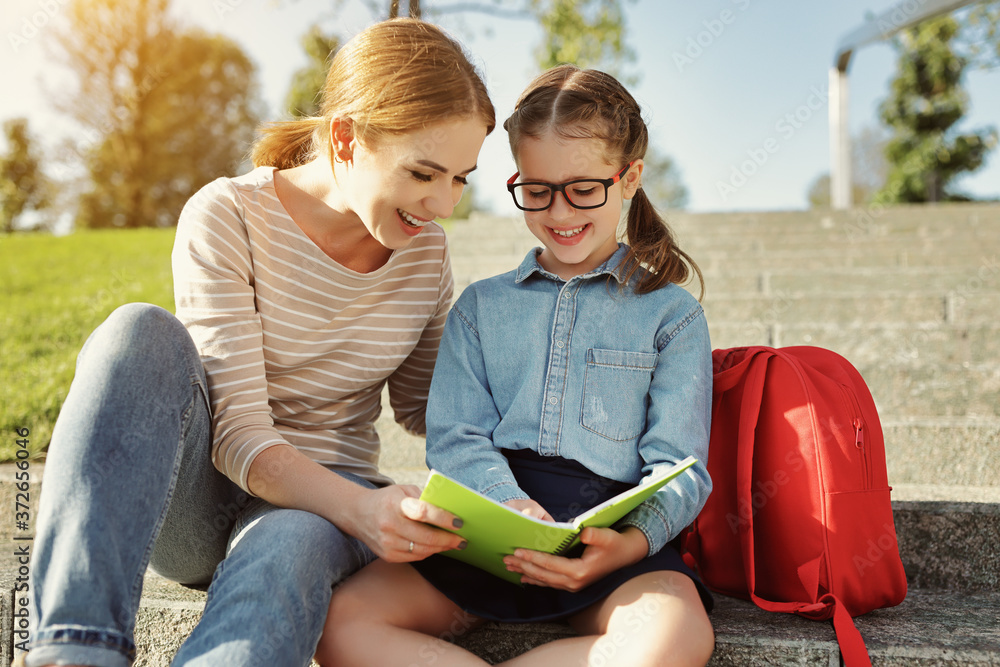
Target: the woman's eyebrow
pixel 444 170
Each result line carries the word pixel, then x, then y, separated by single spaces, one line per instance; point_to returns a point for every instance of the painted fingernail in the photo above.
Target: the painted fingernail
pixel 457 523
pixel 463 545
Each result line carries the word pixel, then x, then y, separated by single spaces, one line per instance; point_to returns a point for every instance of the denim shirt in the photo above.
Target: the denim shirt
pixel 619 382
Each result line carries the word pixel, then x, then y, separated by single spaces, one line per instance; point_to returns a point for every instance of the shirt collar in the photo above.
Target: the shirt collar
pixel 614 266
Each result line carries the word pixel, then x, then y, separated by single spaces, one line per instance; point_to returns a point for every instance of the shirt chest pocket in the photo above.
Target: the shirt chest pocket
pixel 615 392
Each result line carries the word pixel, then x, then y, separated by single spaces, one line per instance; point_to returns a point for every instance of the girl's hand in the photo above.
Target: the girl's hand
pixel 391 519
pixel 607 550
pixel 529 507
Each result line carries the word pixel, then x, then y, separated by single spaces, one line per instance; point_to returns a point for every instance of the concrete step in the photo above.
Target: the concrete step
pixel 945 289
pixel 970 279
pixel 930 627
pixel 505 253
pixel 859 282
pixel 935 390
pixel 959 452
pixel 711 260
pixel 874 222
pixel 828 250
pixel 952 546
pixel 852 309
pixel 870 343
pixel 847 229
pixel 951 552
pixel 755 253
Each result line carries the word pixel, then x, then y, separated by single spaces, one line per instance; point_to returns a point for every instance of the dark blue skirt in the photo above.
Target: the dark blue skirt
pixel 565 488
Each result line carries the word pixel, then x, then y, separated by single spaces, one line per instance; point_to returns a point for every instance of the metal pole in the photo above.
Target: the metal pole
pixel 840 142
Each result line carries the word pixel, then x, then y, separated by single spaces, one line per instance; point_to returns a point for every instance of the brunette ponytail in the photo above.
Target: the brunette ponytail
pixel 653 246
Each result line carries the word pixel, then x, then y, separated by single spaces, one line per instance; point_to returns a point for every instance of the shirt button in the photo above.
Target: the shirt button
pixel 553 400
pixel 567 295
pixel 559 343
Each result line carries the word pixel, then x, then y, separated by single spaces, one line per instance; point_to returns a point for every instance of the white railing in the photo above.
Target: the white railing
pixel 882 27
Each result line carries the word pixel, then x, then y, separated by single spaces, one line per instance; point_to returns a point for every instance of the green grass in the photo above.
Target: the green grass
pixel 53 292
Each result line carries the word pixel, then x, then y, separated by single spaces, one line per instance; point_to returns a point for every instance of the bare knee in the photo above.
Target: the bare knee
pixel 655 619
pixel 384 603
pixel 698 646
pixel 349 617
pixel 687 638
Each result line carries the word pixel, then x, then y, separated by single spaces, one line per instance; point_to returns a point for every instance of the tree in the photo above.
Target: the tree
pixel 166 110
pixel 980 35
pixel 303 97
pixel 661 179
pixel 924 152
pixel 588 33
pixel 22 184
pixel 869 170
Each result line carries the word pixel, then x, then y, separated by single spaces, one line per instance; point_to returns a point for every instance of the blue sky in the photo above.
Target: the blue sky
pixel 720 82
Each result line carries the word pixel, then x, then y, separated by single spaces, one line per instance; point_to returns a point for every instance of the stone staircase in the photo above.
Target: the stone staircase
pixel 910 296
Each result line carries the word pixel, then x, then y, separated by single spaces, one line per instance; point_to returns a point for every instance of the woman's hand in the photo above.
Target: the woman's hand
pixel 386 519
pixel 607 550
pixel 399 527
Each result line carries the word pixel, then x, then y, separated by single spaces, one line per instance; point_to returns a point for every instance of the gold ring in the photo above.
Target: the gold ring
pixel 411 547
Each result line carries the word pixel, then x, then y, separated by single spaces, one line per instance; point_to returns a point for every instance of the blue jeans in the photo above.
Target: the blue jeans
pixel 129 482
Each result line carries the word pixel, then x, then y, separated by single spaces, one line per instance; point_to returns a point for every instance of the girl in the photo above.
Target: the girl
pixel 302 288
pixel 558 385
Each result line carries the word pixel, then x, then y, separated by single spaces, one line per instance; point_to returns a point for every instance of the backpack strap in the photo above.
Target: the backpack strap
pixel 726 379
pixel 852 645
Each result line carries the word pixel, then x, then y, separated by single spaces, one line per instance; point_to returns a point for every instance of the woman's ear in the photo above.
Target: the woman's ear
pixel 342 138
pixel 632 179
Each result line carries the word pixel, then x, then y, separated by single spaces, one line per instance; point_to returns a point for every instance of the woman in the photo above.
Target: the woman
pixel 302 288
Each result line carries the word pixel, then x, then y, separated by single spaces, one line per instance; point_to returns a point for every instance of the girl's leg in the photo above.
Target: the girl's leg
pixel 390 615
pixel 135 418
pixel 269 598
pixel 654 619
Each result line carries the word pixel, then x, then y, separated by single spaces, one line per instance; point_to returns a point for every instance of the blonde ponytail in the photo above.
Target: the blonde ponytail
pixel 287 144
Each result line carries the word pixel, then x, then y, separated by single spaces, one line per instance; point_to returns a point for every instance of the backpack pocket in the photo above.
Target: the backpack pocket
pixel 615 392
pixel 862 553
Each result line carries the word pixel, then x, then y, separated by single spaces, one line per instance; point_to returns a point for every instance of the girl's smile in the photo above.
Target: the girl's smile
pixel 570 236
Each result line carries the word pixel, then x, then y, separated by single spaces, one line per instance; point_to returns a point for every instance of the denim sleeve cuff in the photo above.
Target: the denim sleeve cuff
pixel 505 491
pixel 652 523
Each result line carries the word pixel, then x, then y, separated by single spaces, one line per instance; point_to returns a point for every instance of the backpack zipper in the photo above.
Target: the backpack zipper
pixel 859 436
pixel 859 442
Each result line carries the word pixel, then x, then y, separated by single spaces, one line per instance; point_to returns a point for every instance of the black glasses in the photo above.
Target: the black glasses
pixel 583 193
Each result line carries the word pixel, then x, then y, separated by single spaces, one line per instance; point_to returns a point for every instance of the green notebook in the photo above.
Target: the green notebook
pixel 493 530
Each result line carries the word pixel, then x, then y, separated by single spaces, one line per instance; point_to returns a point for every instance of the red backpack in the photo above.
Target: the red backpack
pixel 799 519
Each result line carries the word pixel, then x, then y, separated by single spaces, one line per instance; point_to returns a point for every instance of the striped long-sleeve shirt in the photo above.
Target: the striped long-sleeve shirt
pixel 296 347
